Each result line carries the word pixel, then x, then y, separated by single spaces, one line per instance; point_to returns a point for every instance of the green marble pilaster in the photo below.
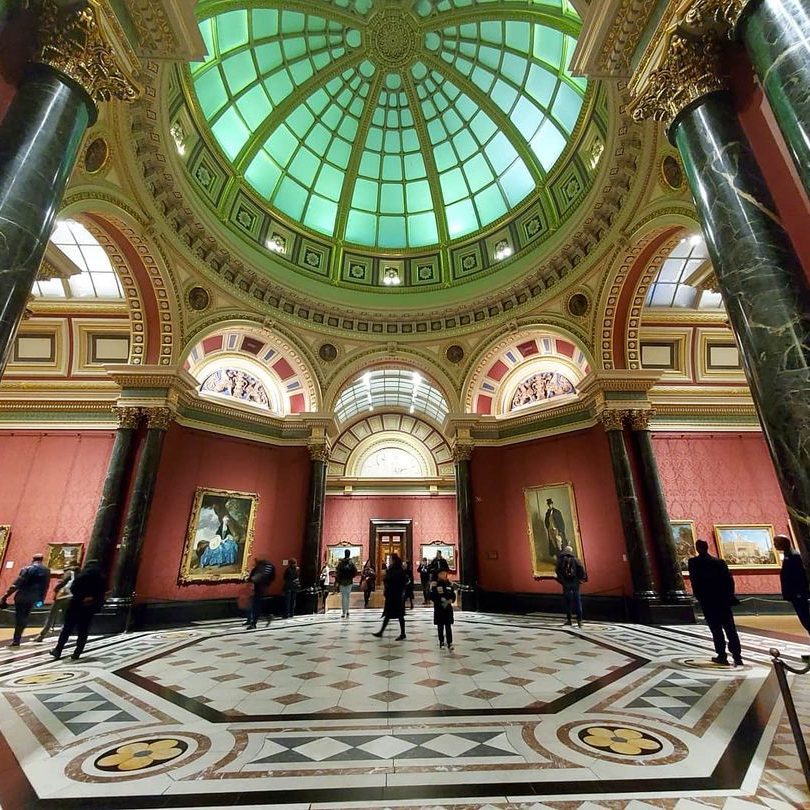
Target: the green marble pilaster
pixel 468 562
pixel 313 539
pixel 40 137
pixel 764 289
pixel 776 35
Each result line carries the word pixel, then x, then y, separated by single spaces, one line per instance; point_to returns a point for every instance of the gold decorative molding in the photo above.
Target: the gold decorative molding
pixel 689 70
pixel 128 418
pixel 75 40
pixel 159 418
pixel 721 16
pixel 319 451
pixel 640 420
pixel 462 452
pixel 612 420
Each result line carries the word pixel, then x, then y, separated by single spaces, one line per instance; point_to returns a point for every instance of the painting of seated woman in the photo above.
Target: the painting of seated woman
pixel 219 537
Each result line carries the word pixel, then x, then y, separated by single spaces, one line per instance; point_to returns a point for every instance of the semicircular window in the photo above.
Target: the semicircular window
pixel 237 384
pixel 391 462
pixel 391 125
pixel 540 388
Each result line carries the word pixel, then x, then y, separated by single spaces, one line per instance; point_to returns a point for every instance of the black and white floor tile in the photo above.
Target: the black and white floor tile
pixel 314 712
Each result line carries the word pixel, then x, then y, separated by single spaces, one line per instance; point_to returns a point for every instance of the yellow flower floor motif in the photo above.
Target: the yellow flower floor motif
pixel 44 678
pixel 137 756
pixel 620 740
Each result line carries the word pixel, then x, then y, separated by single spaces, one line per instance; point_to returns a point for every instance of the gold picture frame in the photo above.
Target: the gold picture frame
pixel 5 536
pixel 60 556
pixel 219 538
pixel 683 538
pixel 747 545
pixel 548 533
pixel 448 550
pixel 335 553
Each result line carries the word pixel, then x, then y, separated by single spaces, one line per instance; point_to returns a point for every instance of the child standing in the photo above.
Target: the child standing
pixel 443 594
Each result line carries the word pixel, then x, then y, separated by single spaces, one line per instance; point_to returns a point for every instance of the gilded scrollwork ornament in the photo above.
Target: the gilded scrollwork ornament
pixel 159 418
pixel 690 71
pixel 721 16
pixel 70 39
pixel 463 451
pixel 128 418
pixel 612 419
pixel 640 420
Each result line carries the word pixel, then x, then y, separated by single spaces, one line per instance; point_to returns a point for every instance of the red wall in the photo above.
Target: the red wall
pixel 193 458
pixel 499 475
pixel 716 478
pixel 50 486
pixel 346 517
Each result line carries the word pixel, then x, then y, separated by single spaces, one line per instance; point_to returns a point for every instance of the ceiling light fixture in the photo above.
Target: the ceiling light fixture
pixel 503 250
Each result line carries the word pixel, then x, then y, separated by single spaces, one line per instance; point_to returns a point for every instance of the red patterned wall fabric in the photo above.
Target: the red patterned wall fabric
pixel 50 485
pixel 722 478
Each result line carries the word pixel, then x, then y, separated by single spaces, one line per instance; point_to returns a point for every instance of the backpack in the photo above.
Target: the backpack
pixel 568 569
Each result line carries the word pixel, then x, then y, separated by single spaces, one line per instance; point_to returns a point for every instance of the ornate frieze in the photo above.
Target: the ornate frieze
pixel 71 39
pixel 721 16
pixel 128 417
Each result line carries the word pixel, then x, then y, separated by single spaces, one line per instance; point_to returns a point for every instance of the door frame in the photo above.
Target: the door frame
pixel 374 527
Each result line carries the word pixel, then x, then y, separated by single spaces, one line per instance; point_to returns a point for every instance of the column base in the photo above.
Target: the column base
pixel 469 600
pixel 648 612
pixel 114 616
pixel 678 598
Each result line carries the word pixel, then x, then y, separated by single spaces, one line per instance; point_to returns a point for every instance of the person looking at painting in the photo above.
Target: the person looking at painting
pixel 61 599
pixel 793 578
pixel 713 587
pixel 345 572
pixel 570 573
pixel 368 579
pixel 438 564
pixel 223 548
pixel 394 585
pixel 29 590
pixel 292 584
pixel 260 576
pixel 443 594
pixel 87 597
pixel 555 529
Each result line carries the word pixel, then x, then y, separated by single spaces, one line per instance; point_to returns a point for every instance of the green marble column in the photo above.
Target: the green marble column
pixel 637 555
pixel 125 570
pixel 113 494
pixel 776 35
pixel 40 137
pixel 468 559
pixel 764 289
pixel 313 539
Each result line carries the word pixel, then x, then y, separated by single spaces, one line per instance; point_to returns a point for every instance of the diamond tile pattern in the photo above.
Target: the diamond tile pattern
pixel 82 708
pixel 675 694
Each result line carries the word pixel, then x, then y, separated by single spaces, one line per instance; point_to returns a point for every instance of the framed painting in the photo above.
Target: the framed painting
pixel 63 555
pixel 334 554
pixel 428 551
pixel 747 546
pixel 5 534
pixel 551 513
pixel 683 537
pixel 219 537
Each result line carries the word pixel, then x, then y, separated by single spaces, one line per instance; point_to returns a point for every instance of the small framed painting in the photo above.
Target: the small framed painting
pixel 334 554
pixel 448 551
pixel 219 536
pixel 747 546
pixel 5 534
pixel 63 555
pixel 683 537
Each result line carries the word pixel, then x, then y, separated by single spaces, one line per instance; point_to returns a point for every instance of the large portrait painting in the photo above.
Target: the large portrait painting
pixel 5 534
pixel 552 517
pixel 336 553
pixel 219 537
pixel 428 552
pixel 683 537
pixel 747 546
pixel 63 555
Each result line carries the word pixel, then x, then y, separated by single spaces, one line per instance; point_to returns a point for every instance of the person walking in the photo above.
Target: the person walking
pixel 345 572
pixel 261 575
pixel 394 584
pixel 29 590
pixel 292 584
pixel 61 599
pixel 793 576
pixel 713 587
pixel 368 579
pixel 570 573
pixel 408 596
pixel 424 578
pixel 87 597
pixel 443 594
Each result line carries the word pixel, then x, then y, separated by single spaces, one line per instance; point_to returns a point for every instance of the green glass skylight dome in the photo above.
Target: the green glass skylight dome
pixel 393 126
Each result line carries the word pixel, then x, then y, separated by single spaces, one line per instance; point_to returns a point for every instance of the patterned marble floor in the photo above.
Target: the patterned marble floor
pixel 314 712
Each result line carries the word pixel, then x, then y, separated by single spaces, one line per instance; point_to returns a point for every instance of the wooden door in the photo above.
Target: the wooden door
pixel 388 543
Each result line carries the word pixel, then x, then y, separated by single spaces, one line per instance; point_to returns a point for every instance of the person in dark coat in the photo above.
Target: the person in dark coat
pixel 437 564
pixel 793 576
pixel 570 573
pixel 394 584
pixel 408 596
pixel 368 580
pixel 443 594
pixel 713 587
pixel 424 578
pixel 87 597
pixel 292 584
pixel 29 591
pixel 261 575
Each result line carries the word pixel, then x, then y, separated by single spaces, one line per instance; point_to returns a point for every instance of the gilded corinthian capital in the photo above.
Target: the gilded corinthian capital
pixel 721 16
pixel 689 70
pixel 73 39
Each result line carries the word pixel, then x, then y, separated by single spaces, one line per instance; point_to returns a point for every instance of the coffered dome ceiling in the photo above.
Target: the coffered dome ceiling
pixel 391 147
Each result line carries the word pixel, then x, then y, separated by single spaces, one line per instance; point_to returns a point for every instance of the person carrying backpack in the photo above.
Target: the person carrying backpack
pixel 261 575
pixel 345 572
pixel 29 590
pixel 570 573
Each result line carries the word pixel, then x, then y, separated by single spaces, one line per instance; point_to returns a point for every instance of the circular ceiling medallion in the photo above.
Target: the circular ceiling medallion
pixel 393 38
pixel 578 305
pixel 96 155
pixel 672 172
pixel 454 353
pixel 199 298
pixel 328 352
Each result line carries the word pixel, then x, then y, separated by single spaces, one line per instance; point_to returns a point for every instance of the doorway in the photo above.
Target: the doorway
pixel 387 537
